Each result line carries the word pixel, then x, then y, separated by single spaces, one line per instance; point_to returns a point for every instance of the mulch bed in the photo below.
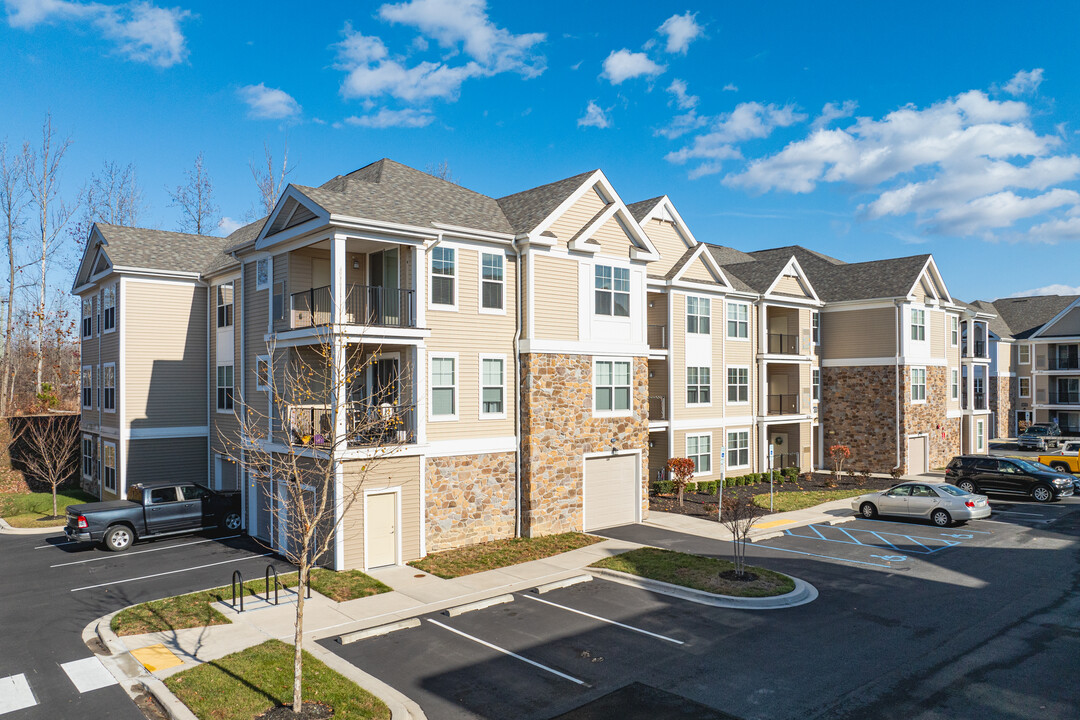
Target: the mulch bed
pixel 310 711
pixel 699 505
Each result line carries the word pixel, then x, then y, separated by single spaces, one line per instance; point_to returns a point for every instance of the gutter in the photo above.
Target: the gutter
pixel 899 343
pixel 517 385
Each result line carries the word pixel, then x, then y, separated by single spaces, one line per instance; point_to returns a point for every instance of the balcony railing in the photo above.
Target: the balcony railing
pixel 780 344
pixel 980 400
pixel 657 407
pixel 978 349
pixel 785 460
pixel 1065 363
pixel 366 425
pixel 1064 398
pixel 364 305
pixel 783 404
pixel 658 337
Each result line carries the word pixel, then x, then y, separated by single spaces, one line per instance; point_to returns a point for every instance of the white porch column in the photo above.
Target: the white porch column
pixel 763 328
pixel 419 383
pixel 419 283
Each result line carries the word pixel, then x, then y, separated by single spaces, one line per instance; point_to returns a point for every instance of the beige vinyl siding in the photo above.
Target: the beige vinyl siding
pixel 805 389
pixel 657 308
pixel 1006 359
pixel 952 352
pixel 224 425
pixel 576 217
pixel 741 353
pixel 385 474
pixel 109 352
pixel 658 378
pixel 858 333
pixel 665 238
pixel 679 450
pixel 256 314
pixel 937 330
pixel 470 333
pixel 281 275
pixel 1068 325
pixel 658 455
pixel 1042 384
pixel 698 270
pixel 173 459
pixel 790 285
pixel 555 300
pixel 677 393
pixel 613 241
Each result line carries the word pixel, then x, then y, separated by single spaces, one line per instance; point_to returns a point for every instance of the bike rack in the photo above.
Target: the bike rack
pixel 269 569
pixel 236 576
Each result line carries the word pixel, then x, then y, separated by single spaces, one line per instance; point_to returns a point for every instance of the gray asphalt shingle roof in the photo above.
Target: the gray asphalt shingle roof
pixel 160 249
pixel 837 281
pixel 527 209
pixel 643 207
pixel 1023 316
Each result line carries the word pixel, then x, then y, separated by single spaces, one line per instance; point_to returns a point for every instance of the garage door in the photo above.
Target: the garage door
pixel 610 491
pixel 917 456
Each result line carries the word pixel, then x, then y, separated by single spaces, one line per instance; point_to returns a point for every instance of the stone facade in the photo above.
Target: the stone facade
pixel 858 409
pixel 558 427
pixel 1003 403
pixel 929 418
pixel 470 499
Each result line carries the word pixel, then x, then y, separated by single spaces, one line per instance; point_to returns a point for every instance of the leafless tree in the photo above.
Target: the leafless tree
pixel 269 181
pixel 12 205
pixel 738 516
pixel 441 170
pixel 113 196
pixel 195 198
pixel 294 451
pixel 50 450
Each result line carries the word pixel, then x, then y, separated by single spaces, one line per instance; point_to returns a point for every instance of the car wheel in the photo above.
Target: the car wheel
pixel 1042 493
pixel 231 520
pixel 868 510
pixel 1061 467
pixel 941 518
pixel 968 486
pixel 119 538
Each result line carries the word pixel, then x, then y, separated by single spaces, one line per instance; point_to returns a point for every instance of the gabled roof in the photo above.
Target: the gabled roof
pixel 642 208
pixel 527 209
pixel 129 247
pixel 1024 316
pixel 759 273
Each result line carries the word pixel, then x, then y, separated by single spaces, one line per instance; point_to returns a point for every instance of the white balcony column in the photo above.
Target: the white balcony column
pixel 763 325
pixel 338 289
pixel 339 390
pixel 419 382
pixel 763 388
pixel 419 283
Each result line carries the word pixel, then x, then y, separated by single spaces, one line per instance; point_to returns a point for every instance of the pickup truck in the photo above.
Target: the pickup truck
pixel 1068 460
pixel 1041 436
pixel 153 510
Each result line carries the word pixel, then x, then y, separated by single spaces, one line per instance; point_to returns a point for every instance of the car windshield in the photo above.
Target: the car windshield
pixel 951 490
pixel 1033 466
pixel 1035 431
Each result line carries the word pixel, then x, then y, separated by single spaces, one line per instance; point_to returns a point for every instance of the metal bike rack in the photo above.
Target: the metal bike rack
pixel 272 569
pixel 236 576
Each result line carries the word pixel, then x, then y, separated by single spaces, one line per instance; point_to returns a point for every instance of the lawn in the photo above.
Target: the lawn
pixel 250 682
pixel 500 553
pixel 196 609
pixel 30 510
pixel 798 500
pixel 697 572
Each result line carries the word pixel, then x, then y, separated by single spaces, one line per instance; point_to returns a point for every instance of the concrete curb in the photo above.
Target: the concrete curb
pixel 7 529
pixel 478 605
pixel 560 584
pixel 378 631
pixel 803 593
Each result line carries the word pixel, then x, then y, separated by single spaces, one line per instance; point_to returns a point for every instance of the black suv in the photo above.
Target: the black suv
pixel 1009 476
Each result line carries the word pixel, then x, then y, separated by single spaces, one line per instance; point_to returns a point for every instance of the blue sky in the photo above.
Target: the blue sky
pixel 858 129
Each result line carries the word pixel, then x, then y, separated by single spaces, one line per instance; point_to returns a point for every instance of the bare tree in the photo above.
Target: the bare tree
pixel 441 170
pixel 738 516
pixel 12 205
pixel 195 198
pixel 113 196
pixel 270 184
pixel 50 450
pixel 313 418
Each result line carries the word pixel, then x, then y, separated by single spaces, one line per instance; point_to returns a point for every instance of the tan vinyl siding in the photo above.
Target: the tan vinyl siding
pixel 677 393
pixel 384 474
pixel 657 309
pixel 679 450
pixel 1068 325
pixel 173 459
pixel 658 455
pixel 613 240
pixel 858 333
pixel 224 425
pixel 698 271
pixel 790 285
pixel 281 277
pixel 665 237
pixel 937 330
pixel 576 217
pixel 658 378
pixel 555 300
pixel 256 313
pixel 738 353
pixel 1006 360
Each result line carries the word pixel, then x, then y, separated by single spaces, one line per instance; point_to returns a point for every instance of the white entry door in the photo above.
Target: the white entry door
pixel 918 460
pixel 610 491
pixel 380 535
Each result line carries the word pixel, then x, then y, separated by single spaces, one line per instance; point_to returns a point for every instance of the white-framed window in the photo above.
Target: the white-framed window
pixel 815 384
pixel 918 324
pixel 1024 354
pixel 87 457
pixel 444 277
pixel 954 384
pixel 492 386
pixel 738 449
pixel 262 372
pixel 815 327
pixel 224 388
pixel 109 466
pixel 738 385
pixel 87 379
pixel 612 386
pixel 698 315
pixel 87 317
pixel 97 314
pixel 698 386
pixel 97 385
pixel 225 305
pixel 444 388
pixel 108 320
pixel 738 321
pixel 108 387
pixel 1024 387
pixel 954 331
pixel 612 291
pixel 980 436
pixel 262 273
pixel 492 282
pixel 918 385
pixel 699 449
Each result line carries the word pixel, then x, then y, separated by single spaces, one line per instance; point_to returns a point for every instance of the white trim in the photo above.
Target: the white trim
pixel 749 395
pixel 1020 384
pixel 727 336
pixel 1049 323
pixel 911 380
pixel 588 347
pixel 82 456
pixel 1020 348
pixel 112 365
pixel 339 515
pixel 481 415
pixel 749 442
pixel 116 475
pixel 82 388
pixel 698 384
pixel 396 491
pixel 793 266
pixel 177 431
pixel 954 384
pixel 432 417
pixel 115 287
pixel 954 329
pixel 585 457
pixel 596 413
pixel 423 506
pixel 121 399
pixel 890 361
pixel 456 277
pixel 711 265
pixel 471 446
pixel 219 410
pixel 686 448
pixel 480 283
pixel 269 372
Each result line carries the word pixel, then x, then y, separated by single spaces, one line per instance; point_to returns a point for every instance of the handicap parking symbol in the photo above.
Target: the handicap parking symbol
pixel 959 536
pixel 891 558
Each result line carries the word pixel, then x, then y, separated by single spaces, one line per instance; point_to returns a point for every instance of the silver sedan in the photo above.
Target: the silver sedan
pixel 941 503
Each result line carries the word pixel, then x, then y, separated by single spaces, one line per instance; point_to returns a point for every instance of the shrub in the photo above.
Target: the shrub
pixel 707 488
pixel 791 473
pixel 664 487
pixel 864 477
pixel 680 470
pixel 896 474
pixel 691 487
pixel 838 454
pixel 730 482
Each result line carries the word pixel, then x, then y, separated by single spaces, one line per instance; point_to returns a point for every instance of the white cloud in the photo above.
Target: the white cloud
pixel 731 87
pixel 594 117
pixel 682 99
pixel 832 111
pixel 1057 289
pixel 385 118
pixel 268 103
pixel 622 65
pixel 141 31
pixel 999 210
pixel 681 30
pixel 747 121
pixel 1024 82
pixel 1053 231
pixel 227 226
pixel 682 124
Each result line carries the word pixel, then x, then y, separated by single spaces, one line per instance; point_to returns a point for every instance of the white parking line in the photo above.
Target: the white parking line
pixel 504 651
pixel 170 572
pixel 88 674
pixel 603 619
pixel 140 552
pixel 66 542
pixel 15 694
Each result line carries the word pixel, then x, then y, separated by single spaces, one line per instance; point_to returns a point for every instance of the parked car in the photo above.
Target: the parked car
pixel 940 503
pixel 153 510
pixel 1008 476
pixel 1067 459
pixel 1040 436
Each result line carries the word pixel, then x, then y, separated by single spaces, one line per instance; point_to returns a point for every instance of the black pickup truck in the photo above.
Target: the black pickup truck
pixel 153 510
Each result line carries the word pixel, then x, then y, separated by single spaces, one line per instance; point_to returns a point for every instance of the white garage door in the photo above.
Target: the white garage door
pixel 610 491
pixel 917 455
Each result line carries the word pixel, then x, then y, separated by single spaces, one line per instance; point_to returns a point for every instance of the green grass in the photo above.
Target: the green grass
pixel 250 682
pixel 31 510
pixel 694 571
pixel 801 499
pixel 500 553
pixel 196 609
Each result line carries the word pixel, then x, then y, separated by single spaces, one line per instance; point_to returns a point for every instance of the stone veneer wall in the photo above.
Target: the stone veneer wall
pixel 858 409
pixel 558 427
pixel 1002 402
pixel 930 417
pixel 470 499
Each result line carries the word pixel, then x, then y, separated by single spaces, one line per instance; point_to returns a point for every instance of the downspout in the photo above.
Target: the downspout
pixel 517 399
pixel 899 399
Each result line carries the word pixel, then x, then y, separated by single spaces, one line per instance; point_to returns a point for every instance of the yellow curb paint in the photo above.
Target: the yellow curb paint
pixel 773 523
pixel 156 657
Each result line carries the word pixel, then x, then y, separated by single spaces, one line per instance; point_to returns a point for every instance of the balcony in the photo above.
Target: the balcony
pixel 1064 398
pixel 364 305
pixel 657 407
pixel 1064 361
pixel 980 400
pixel 366 425
pixel 785 460
pixel 780 344
pixel 978 349
pixel 783 404
pixel 657 337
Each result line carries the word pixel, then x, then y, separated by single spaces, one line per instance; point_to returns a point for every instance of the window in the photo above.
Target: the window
pixel 97 313
pixel 699 449
pixel 97 384
pixel 698 386
pixel 738 321
pixel 612 291
pixel 262 273
pixel 738 449
pixel 225 388
pixel 87 318
pixel 109 458
pixel 612 386
pixel 193 492
pixel 278 301
pixel 491 281
pixel 738 385
pixel 442 276
pixel 225 305
pixel 955 384
pixel 159 496
pixel 1024 352
pixel 108 385
pixel 980 436
pixel 109 301
pixel 1025 387
pixel 918 324
pixel 444 387
pixel 918 384
pixel 492 387
pixel 87 387
pixel 815 327
pixel 815 384
pixel 262 373
pixel 954 330
pixel 697 315
pixel 87 457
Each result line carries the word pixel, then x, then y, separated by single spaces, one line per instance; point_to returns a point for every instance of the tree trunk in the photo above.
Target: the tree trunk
pixel 298 637
pixel 54 499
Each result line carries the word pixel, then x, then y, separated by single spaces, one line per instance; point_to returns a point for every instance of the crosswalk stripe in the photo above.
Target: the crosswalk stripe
pixel 88 674
pixel 15 694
